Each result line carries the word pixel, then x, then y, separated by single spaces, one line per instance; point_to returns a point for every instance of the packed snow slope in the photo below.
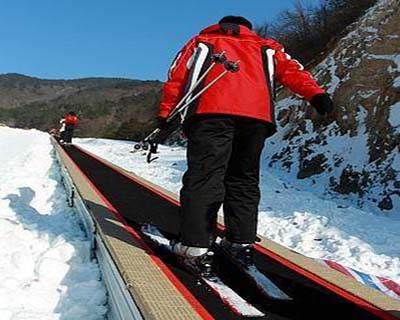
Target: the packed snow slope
pixel 46 270
pixel 355 154
pixel 295 218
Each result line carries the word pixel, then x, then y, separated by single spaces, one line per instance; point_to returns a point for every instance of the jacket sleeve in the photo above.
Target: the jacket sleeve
pixel 291 74
pixel 177 77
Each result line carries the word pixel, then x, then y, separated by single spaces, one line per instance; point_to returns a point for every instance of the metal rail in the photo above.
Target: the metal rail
pixel 120 302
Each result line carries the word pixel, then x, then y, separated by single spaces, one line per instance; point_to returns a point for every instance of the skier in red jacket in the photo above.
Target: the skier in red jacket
pixel 226 128
pixel 68 125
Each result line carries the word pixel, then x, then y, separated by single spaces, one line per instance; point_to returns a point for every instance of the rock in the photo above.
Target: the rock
pixel 358 142
pixel 312 167
pixel 349 182
pixel 386 203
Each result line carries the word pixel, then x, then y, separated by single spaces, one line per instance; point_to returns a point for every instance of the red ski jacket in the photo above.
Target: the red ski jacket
pixel 71 120
pixel 247 93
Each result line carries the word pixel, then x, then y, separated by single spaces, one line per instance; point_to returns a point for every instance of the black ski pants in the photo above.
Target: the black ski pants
pixel 68 133
pixel 223 156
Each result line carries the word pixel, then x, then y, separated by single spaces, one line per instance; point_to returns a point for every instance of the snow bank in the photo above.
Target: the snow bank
pixel 46 271
pixel 394 118
pixel 295 218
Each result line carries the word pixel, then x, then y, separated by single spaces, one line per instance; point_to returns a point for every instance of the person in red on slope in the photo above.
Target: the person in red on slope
pixel 68 125
pixel 226 129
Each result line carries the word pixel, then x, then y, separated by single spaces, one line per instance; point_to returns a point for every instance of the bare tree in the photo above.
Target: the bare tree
pixel 305 31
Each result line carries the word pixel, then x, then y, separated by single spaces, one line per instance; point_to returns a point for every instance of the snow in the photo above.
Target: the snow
pixel 367 94
pixel 370 29
pixel 46 271
pixel 396 82
pixel 329 65
pixel 395 58
pixel 394 118
pixel 341 152
pixel 296 218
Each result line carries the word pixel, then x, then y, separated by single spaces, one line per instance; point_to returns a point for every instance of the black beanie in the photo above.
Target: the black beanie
pixel 237 20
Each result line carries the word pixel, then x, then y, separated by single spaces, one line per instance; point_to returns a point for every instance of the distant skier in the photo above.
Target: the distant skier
pixel 62 130
pixel 226 129
pixel 68 125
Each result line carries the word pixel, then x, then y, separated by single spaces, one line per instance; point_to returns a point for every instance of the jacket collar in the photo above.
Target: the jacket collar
pixel 216 28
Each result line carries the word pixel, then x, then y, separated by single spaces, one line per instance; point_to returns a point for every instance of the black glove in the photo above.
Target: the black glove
pixel 323 103
pixel 162 122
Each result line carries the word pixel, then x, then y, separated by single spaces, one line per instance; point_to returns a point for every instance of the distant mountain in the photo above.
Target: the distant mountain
pixel 355 153
pixel 107 107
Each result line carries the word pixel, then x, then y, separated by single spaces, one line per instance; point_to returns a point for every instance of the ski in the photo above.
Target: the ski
pixel 265 285
pixel 227 295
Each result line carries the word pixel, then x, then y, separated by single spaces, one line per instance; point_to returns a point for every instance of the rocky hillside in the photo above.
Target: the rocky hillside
pixel 114 108
pixel 355 153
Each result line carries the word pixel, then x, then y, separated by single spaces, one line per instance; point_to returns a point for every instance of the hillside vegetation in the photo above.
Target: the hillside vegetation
pixel 112 108
pixel 308 31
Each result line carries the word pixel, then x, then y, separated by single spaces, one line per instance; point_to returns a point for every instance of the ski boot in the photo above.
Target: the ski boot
pixel 241 253
pixel 198 260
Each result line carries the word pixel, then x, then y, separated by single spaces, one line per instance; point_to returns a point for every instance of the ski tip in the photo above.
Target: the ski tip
pixel 265 284
pixel 236 303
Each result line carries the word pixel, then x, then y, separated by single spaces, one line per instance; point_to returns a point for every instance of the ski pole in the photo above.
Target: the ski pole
pixel 144 143
pixel 149 138
pixel 230 66
pixel 217 58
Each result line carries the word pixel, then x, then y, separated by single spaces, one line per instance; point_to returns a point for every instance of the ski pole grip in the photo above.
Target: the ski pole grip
pixel 219 57
pixel 232 66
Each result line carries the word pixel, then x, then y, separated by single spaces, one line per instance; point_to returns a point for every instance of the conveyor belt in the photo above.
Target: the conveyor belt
pixel 139 203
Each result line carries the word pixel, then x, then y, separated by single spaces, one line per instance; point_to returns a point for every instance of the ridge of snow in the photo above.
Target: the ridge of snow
pixel 46 271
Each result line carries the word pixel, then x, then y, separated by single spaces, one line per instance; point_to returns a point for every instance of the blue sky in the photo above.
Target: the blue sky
pixel 110 38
